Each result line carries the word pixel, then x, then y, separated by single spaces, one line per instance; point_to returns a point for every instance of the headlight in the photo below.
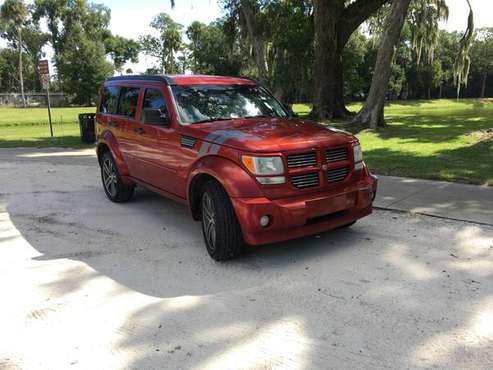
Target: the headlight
pixel 357 153
pixel 263 165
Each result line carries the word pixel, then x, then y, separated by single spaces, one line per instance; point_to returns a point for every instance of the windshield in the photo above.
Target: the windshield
pixel 203 103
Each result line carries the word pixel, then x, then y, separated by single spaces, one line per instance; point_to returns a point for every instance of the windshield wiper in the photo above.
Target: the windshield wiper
pixel 260 116
pixel 212 119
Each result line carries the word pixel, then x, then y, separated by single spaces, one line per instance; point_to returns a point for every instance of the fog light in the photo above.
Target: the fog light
pixel 264 221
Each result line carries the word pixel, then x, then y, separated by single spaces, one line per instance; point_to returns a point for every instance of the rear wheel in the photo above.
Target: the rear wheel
pixel 113 186
pixel 222 232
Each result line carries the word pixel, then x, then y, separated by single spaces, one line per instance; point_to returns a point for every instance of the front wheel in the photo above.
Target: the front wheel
pixel 115 189
pixel 222 232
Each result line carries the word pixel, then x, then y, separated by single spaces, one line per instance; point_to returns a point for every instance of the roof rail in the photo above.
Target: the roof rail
pixel 163 78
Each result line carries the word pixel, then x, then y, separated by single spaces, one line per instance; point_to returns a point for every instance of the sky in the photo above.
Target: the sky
pixel 130 18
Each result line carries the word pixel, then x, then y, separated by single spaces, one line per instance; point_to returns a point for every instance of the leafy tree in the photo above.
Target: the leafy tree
pixel 372 112
pixel 463 61
pixel 355 68
pixel 334 23
pixel 82 66
pixel 166 46
pixel 78 33
pixel 13 14
pixel 482 56
pixel 210 52
pixel 121 50
pixel 34 41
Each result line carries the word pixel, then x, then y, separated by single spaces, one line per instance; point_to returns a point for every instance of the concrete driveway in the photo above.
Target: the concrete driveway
pixel 88 284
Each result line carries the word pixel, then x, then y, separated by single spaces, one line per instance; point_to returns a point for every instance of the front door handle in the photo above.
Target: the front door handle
pixel 113 124
pixel 139 130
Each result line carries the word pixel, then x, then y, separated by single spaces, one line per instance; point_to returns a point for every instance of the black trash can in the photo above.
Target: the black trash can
pixel 87 129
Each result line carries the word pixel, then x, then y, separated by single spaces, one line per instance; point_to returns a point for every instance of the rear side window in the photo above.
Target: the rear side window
pixel 128 101
pixel 109 101
pixel 154 99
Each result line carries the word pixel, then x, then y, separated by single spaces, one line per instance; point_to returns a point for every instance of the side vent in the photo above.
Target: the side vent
pixel 188 141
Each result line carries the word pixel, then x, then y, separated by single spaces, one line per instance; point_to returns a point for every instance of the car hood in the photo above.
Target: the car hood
pixel 271 134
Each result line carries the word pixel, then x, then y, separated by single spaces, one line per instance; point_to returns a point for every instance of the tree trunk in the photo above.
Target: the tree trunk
pixel 440 90
pixel 372 113
pixel 328 80
pixel 248 13
pixel 21 76
pixel 334 22
pixel 483 84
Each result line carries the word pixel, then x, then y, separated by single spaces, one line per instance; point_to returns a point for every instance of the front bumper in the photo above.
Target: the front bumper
pixel 304 215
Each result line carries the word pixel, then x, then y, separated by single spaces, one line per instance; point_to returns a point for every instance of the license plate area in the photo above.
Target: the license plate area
pixel 326 206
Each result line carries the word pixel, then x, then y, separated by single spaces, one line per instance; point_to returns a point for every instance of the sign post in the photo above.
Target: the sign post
pixel 44 72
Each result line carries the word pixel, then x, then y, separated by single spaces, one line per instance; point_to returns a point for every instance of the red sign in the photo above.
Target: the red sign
pixel 44 68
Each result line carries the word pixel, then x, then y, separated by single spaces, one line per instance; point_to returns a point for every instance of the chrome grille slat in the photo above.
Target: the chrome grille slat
pixel 302 160
pixel 337 174
pixel 305 180
pixel 335 155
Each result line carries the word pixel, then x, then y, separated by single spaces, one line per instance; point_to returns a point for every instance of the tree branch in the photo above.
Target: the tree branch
pixel 355 14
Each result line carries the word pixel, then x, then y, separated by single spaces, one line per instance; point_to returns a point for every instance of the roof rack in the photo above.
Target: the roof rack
pixel 166 79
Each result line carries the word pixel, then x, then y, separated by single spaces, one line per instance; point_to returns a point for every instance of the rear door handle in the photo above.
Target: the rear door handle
pixel 113 124
pixel 139 130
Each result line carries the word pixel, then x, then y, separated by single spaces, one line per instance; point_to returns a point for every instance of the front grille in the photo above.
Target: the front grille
pixel 302 160
pixel 337 174
pixel 188 141
pixel 306 180
pixel 335 155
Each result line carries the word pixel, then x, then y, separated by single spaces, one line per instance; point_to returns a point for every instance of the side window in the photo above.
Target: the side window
pixel 109 100
pixel 128 101
pixel 154 111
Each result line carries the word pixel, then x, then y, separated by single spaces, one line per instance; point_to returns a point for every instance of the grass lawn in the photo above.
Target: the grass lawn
pixel 440 139
pixel 29 127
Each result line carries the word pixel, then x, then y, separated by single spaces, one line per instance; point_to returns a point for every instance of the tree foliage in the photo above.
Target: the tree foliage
pixel 13 18
pixel 166 45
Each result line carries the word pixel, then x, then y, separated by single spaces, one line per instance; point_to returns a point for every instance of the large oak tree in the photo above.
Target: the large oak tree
pixel 334 22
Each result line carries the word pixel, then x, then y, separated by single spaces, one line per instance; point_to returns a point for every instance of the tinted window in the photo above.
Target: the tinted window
pixel 154 110
pixel 109 100
pixel 128 101
pixel 154 99
pixel 196 103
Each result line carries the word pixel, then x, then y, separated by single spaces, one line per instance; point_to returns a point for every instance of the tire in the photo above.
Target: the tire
pixel 113 186
pixel 222 232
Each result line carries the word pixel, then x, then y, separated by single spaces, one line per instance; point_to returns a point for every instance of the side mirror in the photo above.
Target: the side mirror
pixel 290 110
pixel 156 117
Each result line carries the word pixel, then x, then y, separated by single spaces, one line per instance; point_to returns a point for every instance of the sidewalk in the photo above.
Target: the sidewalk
pixel 436 198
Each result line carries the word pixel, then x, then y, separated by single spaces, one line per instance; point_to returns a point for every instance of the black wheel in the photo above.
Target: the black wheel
pixel 113 186
pixel 222 233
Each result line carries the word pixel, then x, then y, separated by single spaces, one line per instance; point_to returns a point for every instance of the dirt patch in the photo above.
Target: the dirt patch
pixel 483 135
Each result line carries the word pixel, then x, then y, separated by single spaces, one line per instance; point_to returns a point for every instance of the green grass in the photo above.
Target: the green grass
pixel 29 127
pixel 438 139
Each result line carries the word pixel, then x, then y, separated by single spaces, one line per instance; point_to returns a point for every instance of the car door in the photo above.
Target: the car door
pixel 107 112
pixel 156 161
pixel 125 120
